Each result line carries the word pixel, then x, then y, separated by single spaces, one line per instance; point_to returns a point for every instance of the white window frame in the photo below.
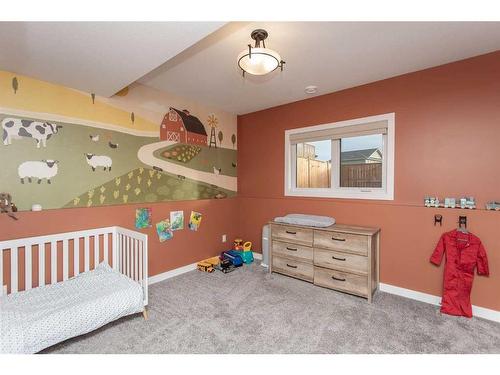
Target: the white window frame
pixel 384 193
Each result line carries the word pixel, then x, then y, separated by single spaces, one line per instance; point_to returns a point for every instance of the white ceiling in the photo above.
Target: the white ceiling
pixel 98 57
pixel 197 60
pixel 331 55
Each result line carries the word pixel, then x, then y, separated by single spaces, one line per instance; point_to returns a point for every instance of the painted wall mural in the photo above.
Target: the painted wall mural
pixel 64 148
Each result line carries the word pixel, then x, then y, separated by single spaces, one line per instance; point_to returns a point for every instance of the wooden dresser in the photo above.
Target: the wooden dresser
pixel 340 257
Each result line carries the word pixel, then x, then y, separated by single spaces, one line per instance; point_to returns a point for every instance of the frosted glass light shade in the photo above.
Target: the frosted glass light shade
pixel 261 61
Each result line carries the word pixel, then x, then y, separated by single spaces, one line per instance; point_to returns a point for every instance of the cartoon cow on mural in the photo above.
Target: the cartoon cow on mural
pixel 14 128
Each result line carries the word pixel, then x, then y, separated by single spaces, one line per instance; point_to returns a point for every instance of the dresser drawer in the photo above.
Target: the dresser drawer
pixel 287 249
pixel 352 243
pixel 341 261
pixel 346 282
pixel 303 236
pixel 293 268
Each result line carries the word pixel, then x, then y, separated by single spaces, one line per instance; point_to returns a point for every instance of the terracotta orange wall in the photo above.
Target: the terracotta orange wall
pixel 219 217
pixel 447 144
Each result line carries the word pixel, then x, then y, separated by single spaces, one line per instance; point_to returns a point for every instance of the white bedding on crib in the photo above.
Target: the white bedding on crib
pixel 38 318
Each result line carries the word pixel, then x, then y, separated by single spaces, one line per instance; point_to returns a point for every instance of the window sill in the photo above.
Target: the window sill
pixel 329 193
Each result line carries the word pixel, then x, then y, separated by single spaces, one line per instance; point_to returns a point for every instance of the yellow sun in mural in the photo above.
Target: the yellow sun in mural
pixel 212 121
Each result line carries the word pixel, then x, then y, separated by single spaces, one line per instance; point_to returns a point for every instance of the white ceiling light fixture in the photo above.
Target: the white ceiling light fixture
pixel 259 60
pixel 311 89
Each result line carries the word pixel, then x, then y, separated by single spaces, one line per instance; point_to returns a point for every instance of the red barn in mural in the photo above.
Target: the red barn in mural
pixel 181 126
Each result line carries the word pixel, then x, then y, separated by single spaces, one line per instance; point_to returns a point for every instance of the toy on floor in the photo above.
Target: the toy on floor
pixel 213 261
pixel 225 266
pixel 205 267
pixel 244 250
pixel 233 256
pixel 238 244
pixel 246 256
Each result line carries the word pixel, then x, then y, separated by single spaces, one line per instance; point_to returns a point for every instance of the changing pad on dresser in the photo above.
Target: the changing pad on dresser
pixel 308 220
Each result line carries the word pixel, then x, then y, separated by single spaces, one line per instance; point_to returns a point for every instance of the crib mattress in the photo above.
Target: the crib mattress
pixel 38 318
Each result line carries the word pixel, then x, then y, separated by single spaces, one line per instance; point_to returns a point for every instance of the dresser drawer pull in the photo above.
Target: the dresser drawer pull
pixel 289 265
pixel 291 248
pixel 342 259
pixel 338 239
pixel 290 232
pixel 336 278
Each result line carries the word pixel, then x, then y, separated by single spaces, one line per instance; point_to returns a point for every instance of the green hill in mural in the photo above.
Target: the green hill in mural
pixel 147 185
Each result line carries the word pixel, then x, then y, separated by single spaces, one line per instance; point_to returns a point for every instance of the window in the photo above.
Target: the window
pixel 172 115
pixel 347 159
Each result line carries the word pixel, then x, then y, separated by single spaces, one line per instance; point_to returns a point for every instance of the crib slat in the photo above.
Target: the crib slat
pixel 106 242
pixel 27 267
pixel 122 258
pixel 76 256
pixel 13 270
pixel 96 250
pixel 129 248
pixel 115 246
pixel 132 266
pixel 1 272
pixel 136 264
pixel 122 255
pixel 65 260
pixel 87 253
pixel 53 262
pixel 41 264
pixel 132 243
pixel 140 262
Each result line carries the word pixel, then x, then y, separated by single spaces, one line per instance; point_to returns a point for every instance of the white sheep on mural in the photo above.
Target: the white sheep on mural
pixel 38 169
pixel 99 161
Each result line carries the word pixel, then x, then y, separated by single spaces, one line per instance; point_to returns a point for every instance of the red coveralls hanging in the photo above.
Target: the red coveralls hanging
pixel 464 251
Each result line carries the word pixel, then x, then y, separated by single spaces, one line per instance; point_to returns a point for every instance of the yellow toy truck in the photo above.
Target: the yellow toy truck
pixel 205 267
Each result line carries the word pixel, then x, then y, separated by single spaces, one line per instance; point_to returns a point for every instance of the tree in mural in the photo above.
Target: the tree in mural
pixel 212 121
pixel 220 136
pixel 93 98
pixel 15 84
pixel 132 117
pixel 233 139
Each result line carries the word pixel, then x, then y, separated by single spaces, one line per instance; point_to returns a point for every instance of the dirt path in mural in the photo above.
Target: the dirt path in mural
pixel 145 154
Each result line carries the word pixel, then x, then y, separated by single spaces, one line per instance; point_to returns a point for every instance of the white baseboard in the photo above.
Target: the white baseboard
pixel 480 312
pixel 172 273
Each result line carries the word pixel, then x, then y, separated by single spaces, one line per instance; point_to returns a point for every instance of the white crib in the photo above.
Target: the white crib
pixel 57 257
pixel 58 287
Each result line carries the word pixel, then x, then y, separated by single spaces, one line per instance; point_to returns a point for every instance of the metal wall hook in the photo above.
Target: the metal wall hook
pixel 438 219
pixel 462 221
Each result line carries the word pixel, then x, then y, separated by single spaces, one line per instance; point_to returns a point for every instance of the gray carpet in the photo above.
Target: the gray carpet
pixel 250 311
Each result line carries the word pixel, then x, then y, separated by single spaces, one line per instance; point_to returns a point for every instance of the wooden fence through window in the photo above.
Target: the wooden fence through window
pixel 361 175
pixel 317 174
pixel 313 173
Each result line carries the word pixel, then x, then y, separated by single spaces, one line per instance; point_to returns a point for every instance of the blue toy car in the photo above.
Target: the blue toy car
pixel 233 257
